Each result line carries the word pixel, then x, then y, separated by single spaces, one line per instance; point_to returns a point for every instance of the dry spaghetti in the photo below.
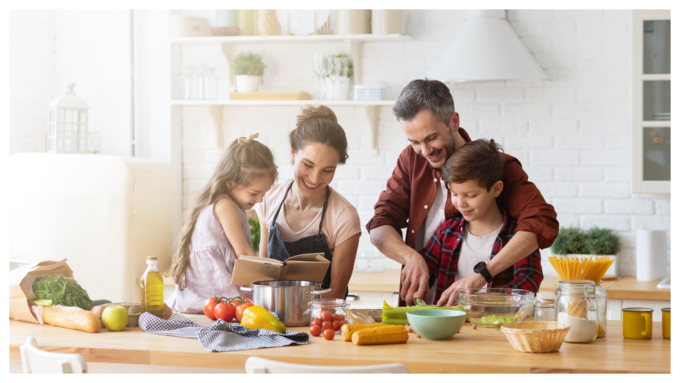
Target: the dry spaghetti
pixel 575 268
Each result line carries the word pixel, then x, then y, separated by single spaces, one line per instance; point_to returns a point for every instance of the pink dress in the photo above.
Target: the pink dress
pixel 212 263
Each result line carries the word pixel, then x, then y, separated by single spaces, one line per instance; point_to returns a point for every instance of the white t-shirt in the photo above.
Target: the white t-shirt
pixel 435 217
pixel 474 250
pixel 341 222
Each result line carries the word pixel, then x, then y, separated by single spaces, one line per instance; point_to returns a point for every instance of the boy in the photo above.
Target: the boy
pixel 463 244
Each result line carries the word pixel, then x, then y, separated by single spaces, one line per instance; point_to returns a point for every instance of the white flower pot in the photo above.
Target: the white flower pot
pixel 248 84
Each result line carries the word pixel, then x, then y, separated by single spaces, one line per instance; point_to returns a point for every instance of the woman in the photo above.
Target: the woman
pixel 305 215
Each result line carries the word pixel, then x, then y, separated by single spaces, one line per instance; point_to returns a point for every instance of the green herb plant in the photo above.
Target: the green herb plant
pixel 595 241
pixel 350 64
pixel 254 234
pixel 61 291
pixel 249 64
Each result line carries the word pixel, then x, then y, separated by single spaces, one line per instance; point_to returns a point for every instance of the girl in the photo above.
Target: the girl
pixel 305 215
pixel 217 230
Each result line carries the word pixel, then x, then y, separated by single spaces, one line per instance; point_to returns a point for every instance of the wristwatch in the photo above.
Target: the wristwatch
pixel 480 268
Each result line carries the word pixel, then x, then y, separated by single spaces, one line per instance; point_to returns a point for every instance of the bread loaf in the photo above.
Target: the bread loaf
pixel 71 317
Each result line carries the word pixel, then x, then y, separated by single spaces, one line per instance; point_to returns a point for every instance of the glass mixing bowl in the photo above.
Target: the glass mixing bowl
pixel 495 307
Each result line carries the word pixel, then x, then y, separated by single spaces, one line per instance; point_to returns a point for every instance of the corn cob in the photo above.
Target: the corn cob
pixel 382 335
pixel 349 329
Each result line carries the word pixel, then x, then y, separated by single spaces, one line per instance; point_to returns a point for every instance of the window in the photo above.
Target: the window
pixel 651 102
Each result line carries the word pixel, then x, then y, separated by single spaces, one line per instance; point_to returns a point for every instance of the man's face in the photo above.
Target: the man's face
pixel 430 137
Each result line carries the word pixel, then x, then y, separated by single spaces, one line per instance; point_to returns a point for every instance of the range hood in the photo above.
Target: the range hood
pixel 485 48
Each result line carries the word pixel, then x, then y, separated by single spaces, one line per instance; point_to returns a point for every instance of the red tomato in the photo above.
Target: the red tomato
pixel 326 316
pixel 315 330
pixel 240 309
pixel 224 311
pixel 339 317
pixel 329 334
pixel 209 307
pixel 247 299
pixel 317 322
pixel 327 325
pixel 336 325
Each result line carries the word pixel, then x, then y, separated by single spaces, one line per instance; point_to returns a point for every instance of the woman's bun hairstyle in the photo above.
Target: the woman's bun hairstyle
pixel 319 124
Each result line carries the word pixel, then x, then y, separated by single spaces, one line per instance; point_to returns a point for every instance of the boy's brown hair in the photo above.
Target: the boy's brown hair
pixel 479 160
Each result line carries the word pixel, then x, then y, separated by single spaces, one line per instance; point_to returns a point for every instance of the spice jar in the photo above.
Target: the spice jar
pixel 544 308
pixel 331 310
pixel 576 306
pixel 601 297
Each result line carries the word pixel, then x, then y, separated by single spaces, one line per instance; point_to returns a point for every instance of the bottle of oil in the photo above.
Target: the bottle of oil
pixel 152 288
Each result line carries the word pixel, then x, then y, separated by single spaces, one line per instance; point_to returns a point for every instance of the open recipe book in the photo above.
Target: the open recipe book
pixel 304 267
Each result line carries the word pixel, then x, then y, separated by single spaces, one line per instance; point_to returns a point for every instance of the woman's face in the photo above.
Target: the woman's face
pixel 314 167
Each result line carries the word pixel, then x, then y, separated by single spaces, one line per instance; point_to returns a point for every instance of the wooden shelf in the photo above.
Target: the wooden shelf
pixel 279 102
pixel 289 39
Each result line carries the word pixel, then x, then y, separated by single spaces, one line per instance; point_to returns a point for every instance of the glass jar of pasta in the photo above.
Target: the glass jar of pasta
pixel 601 297
pixel 576 306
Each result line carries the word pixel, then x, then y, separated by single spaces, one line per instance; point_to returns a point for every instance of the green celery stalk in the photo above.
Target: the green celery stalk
pixel 395 321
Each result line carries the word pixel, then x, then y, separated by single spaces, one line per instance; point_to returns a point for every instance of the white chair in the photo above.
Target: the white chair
pixel 36 361
pixel 256 365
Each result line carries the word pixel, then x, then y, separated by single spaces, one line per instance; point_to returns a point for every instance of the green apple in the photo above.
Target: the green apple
pixel 115 318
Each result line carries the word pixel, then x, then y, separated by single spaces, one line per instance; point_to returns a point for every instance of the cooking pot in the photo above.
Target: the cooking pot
pixel 288 299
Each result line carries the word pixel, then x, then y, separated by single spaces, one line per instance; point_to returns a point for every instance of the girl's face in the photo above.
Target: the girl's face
pixel 472 200
pixel 314 168
pixel 247 196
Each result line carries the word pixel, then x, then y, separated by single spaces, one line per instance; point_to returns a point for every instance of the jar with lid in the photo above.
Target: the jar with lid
pixel 544 308
pixel 576 306
pixel 183 84
pixel 333 311
pixel 209 84
pixel 601 297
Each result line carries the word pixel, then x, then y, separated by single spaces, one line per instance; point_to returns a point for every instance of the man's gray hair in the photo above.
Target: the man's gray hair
pixel 432 95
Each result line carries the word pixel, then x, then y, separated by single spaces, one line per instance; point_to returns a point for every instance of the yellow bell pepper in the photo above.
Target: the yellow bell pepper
pixel 257 317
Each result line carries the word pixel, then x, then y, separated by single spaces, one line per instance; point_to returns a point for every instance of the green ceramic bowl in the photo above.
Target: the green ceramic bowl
pixel 436 324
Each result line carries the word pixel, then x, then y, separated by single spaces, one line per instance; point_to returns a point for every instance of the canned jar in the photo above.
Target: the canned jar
pixel 601 297
pixel 544 308
pixel 576 306
pixel 333 311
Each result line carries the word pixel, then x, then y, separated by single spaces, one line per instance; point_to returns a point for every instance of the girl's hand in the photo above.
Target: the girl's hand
pixel 227 213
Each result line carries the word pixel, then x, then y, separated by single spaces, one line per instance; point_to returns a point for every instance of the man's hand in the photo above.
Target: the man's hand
pixel 473 280
pixel 414 279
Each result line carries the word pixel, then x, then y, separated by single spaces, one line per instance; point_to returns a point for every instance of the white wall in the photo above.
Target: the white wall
pixel 571 134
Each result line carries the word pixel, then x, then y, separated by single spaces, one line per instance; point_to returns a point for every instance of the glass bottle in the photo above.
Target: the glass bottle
pixel 544 308
pixel 209 85
pixel 152 288
pixel 183 84
pixel 197 85
pixel 576 306
pixel 336 307
pixel 601 296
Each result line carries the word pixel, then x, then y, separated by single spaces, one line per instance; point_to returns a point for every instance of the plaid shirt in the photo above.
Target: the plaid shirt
pixel 443 250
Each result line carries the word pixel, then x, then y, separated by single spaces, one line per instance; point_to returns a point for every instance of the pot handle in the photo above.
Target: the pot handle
pixel 319 292
pixel 249 289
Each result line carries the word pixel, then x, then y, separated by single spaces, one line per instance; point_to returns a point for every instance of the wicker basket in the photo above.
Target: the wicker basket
pixel 536 336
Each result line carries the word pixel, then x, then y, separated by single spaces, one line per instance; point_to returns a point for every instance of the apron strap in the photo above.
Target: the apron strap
pixel 323 212
pixel 281 204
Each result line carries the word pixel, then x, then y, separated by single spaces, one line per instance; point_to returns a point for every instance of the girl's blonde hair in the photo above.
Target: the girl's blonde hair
pixel 244 161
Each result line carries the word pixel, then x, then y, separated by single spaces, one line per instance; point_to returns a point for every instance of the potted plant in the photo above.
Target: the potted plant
pixel 597 242
pixel 248 68
pixel 338 74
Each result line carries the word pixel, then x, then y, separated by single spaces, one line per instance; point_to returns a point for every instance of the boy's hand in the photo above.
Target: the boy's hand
pixel 473 280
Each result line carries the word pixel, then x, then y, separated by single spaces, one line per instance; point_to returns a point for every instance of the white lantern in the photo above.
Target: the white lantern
pixel 67 131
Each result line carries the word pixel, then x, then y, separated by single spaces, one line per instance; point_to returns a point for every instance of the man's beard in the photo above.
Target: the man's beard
pixel 449 148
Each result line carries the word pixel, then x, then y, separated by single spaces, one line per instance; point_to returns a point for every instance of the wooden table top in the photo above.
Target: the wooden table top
pixel 470 351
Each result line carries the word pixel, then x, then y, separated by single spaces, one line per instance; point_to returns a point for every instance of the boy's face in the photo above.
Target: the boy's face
pixel 473 200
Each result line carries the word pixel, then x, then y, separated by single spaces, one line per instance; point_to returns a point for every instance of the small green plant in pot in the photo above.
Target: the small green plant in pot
pixel 248 69
pixel 598 242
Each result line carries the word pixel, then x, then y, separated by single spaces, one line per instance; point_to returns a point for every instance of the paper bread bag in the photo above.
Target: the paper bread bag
pixel 21 286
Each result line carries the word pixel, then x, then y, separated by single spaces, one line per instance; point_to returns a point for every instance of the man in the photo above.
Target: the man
pixel 416 199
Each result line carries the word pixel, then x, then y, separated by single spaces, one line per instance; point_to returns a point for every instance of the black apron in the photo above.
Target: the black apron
pixel 279 249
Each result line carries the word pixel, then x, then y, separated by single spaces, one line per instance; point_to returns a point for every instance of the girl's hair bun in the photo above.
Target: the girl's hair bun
pixel 310 112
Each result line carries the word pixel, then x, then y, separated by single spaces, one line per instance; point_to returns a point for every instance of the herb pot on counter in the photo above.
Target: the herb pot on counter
pixel 288 299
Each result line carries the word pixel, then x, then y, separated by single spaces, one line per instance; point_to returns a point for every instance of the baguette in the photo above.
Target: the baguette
pixel 71 317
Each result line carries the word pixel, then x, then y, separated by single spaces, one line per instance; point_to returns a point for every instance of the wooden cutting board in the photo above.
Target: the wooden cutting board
pixel 270 96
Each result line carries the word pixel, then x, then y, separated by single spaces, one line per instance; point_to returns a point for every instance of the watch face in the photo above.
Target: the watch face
pixel 478 267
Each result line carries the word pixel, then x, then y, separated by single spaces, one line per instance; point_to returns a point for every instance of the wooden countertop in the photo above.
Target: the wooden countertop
pixel 470 351
pixel 619 288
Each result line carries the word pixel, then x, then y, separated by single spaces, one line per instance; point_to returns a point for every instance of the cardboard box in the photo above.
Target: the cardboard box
pixel 304 267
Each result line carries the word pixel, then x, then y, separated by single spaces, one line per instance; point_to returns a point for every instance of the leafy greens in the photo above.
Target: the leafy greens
pixel 62 291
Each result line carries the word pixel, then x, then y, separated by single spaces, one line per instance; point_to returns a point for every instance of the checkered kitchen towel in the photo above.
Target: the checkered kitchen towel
pixel 220 336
